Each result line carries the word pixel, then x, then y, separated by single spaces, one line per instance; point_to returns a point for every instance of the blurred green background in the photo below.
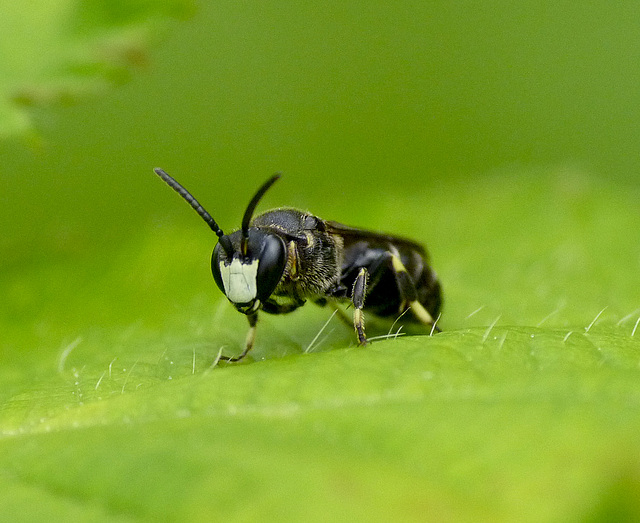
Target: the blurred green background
pixel 350 100
pixel 503 135
pixel 360 106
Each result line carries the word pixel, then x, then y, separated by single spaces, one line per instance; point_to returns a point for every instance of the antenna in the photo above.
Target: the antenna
pixel 224 240
pixel 251 207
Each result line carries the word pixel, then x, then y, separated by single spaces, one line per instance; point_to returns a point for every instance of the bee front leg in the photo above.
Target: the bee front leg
pixel 357 297
pixel 251 336
pixel 273 307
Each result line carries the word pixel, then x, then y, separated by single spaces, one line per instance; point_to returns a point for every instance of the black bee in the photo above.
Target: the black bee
pixel 285 256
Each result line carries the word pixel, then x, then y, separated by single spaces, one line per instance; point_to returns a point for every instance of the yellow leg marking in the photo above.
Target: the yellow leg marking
pixel 251 337
pixel 249 340
pixel 421 313
pixel 293 260
pixel 398 266
pixel 417 308
pixel 358 323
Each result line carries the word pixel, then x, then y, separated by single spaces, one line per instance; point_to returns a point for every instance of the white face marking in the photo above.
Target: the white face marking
pixel 239 280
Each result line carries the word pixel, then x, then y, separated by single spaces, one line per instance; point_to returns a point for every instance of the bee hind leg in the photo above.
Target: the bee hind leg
pixel 409 294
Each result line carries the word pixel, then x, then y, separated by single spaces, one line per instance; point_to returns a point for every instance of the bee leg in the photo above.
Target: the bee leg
pixel 251 336
pixel 276 308
pixel 408 291
pixel 337 311
pixel 357 297
pixel 344 317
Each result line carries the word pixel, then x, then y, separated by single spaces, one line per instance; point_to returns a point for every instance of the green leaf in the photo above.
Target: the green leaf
pixel 428 421
pixel 57 51
pixel 525 408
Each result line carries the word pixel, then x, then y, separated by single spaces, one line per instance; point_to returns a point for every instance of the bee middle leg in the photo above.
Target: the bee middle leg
pixel 337 310
pixel 406 289
pixel 358 294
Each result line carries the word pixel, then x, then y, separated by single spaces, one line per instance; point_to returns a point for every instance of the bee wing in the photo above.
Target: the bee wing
pixel 352 235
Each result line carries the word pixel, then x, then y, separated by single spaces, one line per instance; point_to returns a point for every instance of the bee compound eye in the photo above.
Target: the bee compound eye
pixel 215 267
pixel 272 261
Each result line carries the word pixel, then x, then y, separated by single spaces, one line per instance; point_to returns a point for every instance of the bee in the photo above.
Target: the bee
pixel 284 257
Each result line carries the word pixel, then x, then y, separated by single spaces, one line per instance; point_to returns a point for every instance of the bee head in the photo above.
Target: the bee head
pixel 249 279
pixel 246 264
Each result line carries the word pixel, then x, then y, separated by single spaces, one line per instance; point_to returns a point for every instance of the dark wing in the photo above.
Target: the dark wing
pixel 352 235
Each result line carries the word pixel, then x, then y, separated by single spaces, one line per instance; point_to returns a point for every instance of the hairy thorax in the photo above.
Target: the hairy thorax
pixel 314 256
